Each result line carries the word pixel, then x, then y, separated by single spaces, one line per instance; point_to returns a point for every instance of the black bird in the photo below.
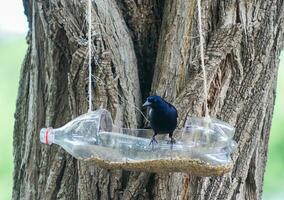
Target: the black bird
pixel 163 117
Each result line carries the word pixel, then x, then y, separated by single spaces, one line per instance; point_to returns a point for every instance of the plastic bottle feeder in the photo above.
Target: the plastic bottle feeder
pixel 202 147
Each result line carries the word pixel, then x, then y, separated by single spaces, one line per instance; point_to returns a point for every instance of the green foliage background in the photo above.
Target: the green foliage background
pixel 12 52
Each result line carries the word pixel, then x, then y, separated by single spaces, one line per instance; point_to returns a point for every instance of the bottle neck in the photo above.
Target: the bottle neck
pixel 47 136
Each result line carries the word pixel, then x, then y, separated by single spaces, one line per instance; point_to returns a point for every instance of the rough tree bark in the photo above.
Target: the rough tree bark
pixel 142 47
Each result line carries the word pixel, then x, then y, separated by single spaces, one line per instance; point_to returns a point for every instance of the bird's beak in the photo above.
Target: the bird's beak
pixel 147 103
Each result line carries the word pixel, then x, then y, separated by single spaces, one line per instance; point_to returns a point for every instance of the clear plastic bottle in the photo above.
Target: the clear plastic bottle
pixel 80 132
pixel 93 136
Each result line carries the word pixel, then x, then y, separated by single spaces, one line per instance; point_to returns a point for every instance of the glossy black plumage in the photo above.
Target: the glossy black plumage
pixel 162 115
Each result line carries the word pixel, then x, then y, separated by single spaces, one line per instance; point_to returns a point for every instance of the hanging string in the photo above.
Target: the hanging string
pixel 202 58
pixel 89 14
pixel 34 51
pixel 90 53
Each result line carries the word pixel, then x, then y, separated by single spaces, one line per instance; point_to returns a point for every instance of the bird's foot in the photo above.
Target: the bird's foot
pixel 153 141
pixel 172 141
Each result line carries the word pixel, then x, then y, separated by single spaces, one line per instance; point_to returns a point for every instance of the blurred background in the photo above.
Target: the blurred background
pixel 13 28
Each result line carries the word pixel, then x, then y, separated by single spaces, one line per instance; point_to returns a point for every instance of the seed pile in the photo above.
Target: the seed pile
pixel 191 166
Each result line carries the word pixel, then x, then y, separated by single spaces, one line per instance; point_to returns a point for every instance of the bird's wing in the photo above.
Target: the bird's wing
pixel 172 108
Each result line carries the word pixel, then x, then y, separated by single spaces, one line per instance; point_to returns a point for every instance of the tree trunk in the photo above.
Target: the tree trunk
pixel 142 47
